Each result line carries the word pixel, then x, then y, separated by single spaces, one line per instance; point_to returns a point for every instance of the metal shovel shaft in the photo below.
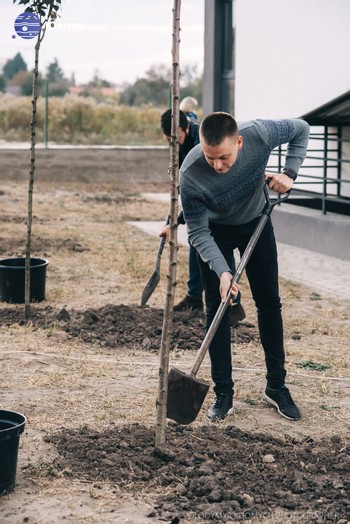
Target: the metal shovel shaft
pixel 241 266
pixel 223 306
pixel 186 393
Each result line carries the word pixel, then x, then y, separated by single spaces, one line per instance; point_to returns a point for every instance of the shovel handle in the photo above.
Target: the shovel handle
pixel 270 204
pixel 161 246
pixel 160 251
pixel 155 277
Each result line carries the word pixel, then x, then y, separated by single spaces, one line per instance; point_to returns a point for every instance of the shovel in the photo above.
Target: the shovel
pixel 186 393
pixel 155 277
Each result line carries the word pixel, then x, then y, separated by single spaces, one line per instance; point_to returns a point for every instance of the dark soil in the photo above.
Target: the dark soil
pixel 216 472
pixel 127 326
pixel 45 247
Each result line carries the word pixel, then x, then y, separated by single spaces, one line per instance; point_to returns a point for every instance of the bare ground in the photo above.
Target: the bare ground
pixel 84 371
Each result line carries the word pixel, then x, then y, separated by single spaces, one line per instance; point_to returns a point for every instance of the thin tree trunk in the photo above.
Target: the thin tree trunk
pixel 31 177
pixel 160 433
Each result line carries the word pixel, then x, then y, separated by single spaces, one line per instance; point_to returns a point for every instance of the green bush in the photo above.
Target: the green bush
pixel 81 120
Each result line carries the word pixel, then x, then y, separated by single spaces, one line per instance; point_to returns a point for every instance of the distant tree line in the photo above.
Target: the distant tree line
pixel 15 73
pixel 153 88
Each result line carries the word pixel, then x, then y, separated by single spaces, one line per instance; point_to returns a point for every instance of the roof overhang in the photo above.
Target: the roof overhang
pixel 333 113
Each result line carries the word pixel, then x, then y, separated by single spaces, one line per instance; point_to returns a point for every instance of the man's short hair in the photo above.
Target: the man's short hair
pixel 165 122
pixel 218 126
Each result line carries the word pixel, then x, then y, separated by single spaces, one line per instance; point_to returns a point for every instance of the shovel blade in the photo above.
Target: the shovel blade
pixel 150 287
pixel 186 395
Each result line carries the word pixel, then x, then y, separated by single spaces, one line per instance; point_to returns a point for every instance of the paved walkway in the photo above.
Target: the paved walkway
pixel 322 274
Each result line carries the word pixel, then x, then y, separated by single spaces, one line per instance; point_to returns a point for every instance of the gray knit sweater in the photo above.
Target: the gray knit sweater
pixel 235 197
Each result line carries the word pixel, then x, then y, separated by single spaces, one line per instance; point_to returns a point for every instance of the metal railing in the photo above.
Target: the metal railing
pixel 324 179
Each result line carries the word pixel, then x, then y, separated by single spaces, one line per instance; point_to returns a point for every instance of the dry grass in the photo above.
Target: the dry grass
pixel 81 120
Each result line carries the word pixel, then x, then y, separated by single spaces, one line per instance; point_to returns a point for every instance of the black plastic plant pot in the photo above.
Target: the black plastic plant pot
pixel 12 280
pixel 11 427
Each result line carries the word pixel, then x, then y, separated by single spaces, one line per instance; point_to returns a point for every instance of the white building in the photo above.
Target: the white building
pixel 287 59
pixel 290 56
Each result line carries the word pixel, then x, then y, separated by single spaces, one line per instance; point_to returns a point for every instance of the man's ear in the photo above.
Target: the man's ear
pixel 240 142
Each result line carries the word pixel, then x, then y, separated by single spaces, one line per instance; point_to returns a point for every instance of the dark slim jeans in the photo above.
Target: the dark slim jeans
pixel 262 273
pixel 194 284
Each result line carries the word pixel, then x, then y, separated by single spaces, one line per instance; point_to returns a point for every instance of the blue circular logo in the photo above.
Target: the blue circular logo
pixel 27 25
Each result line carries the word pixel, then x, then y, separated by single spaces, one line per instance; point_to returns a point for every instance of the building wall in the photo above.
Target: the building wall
pixel 290 56
pixel 306 228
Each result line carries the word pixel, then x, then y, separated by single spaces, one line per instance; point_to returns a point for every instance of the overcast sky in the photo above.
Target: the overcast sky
pixel 119 38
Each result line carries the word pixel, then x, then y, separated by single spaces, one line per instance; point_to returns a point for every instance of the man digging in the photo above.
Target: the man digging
pixel 221 187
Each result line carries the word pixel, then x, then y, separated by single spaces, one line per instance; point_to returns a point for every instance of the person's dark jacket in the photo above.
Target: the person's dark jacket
pixel 191 140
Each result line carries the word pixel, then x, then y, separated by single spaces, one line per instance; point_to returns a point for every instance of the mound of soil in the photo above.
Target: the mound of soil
pixel 215 472
pixel 127 326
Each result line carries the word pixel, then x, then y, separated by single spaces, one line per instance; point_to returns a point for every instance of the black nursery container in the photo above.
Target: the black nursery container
pixel 11 427
pixel 12 280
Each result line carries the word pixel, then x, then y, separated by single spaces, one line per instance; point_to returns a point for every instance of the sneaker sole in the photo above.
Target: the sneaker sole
pixel 218 419
pixel 270 401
